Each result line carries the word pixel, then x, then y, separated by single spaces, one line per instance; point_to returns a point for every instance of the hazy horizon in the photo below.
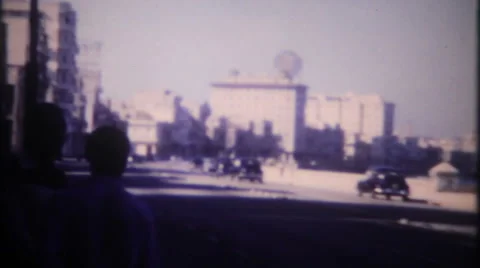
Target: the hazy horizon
pixel 417 54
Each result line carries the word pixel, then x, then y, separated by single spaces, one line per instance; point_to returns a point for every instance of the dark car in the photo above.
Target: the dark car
pixel 198 163
pixel 384 181
pixel 221 167
pixel 251 169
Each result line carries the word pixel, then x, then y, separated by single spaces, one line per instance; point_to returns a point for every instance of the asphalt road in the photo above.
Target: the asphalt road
pixel 205 222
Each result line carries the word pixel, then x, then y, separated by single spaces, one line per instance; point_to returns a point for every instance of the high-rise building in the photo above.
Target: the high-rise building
pixel 16 17
pixel 274 101
pixel 58 45
pixel 89 79
pixel 161 104
pixel 367 115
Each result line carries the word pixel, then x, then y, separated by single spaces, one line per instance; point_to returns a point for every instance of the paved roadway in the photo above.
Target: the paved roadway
pixel 205 222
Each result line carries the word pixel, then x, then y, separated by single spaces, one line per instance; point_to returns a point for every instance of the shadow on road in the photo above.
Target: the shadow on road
pixel 238 206
pixel 323 233
pixel 211 231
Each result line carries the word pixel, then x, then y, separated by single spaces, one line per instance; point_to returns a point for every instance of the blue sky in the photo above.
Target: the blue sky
pixel 419 54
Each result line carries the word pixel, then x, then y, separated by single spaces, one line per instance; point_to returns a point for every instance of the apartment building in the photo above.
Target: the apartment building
pixel 368 115
pixel 16 19
pixel 273 99
pixel 59 48
pixel 89 78
pixel 161 104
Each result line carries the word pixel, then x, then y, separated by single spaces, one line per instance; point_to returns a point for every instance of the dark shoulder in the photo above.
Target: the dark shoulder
pixel 53 178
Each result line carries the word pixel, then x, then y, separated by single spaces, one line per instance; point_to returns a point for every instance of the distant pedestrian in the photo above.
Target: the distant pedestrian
pixel 45 137
pixel 99 224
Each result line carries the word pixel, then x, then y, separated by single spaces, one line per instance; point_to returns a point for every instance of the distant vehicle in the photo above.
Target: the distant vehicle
pixel 251 169
pixel 198 163
pixel 221 167
pixel 136 158
pixel 384 181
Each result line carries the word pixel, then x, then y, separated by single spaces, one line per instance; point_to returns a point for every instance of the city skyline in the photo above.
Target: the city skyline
pixel 420 56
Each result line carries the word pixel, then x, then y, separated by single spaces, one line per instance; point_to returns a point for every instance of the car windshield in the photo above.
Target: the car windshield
pixel 394 178
pixel 251 165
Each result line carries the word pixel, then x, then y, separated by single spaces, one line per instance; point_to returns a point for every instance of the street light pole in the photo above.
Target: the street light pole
pixel 32 76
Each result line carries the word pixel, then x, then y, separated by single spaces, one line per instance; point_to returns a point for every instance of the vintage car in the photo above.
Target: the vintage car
pixel 251 169
pixel 384 181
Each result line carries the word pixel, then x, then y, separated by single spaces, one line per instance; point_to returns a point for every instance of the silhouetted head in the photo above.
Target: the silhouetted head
pixel 107 150
pixel 45 133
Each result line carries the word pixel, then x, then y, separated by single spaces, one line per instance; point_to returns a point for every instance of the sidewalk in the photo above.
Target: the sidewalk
pixel 422 188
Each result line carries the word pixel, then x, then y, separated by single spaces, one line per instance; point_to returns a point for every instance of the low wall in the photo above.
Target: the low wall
pixel 421 187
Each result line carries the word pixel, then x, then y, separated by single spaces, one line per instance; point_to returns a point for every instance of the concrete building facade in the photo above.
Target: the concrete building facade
pixel 89 78
pixel 258 100
pixel 367 115
pixel 16 19
pixel 142 132
pixel 58 23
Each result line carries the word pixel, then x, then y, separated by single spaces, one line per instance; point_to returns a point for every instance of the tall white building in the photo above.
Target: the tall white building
pixel 264 101
pixel 367 115
pixel 161 104
pixel 90 78
pixel 60 23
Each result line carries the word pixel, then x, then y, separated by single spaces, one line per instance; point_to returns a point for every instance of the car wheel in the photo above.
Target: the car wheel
pixel 405 198
pixel 388 197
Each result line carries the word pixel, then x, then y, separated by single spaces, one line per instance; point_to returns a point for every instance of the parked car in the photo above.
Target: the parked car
pixel 251 169
pixel 384 181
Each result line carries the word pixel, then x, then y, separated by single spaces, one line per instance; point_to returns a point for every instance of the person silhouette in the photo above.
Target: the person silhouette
pixel 98 223
pixel 44 139
pixel 30 181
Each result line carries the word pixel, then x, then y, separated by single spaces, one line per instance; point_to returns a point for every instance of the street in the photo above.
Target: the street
pixel 205 221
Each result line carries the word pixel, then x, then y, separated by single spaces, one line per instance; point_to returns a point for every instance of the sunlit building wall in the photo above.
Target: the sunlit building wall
pixel 259 99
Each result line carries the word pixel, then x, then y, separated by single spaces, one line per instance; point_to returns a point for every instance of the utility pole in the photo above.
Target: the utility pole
pixel 32 75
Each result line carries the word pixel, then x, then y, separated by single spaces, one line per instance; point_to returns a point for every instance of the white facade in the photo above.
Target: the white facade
pixel 89 61
pixel 60 26
pixel 142 133
pixel 160 104
pixel 59 22
pixel 352 114
pixel 330 111
pixel 367 115
pixel 260 100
